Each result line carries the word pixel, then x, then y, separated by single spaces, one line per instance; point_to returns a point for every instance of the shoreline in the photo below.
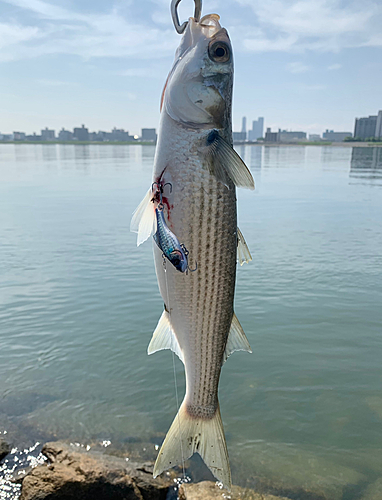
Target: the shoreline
pixel 147 143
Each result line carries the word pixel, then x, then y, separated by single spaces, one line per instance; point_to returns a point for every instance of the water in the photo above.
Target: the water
pixel 79 301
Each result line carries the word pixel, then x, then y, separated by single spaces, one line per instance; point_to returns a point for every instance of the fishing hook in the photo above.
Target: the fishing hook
pixel 175 18
pixel 192 270
pixel 187 253
pixel 160 189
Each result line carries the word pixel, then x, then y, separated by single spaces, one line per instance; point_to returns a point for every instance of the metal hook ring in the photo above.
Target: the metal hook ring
pixel 175 18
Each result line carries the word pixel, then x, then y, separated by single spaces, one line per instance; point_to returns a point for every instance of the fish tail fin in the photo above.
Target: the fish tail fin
pixel 189 435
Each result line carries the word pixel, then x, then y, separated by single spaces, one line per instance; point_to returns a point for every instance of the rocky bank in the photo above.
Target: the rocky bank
pixel 72 472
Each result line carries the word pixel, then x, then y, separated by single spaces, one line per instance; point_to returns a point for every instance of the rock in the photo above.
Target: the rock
pixel 4 448
pixel 74 473
pixel 374 491
pixel 208 490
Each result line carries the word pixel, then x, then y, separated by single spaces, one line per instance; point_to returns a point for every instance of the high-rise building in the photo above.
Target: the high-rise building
pixel 244 125
pixel 365 128
pixel 81 134
pixel 378 127
pixel 47 135
pixel 330 135
pixel 149 134
pixel 257 129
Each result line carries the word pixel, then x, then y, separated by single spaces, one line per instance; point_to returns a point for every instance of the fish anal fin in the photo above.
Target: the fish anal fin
pixel 243 253
pixel 164 337
pixel 143 220
pixel 237 341
pixel 189 435
pixel 226 163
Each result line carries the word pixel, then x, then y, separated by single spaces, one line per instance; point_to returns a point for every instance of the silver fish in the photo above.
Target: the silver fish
pixel 195 155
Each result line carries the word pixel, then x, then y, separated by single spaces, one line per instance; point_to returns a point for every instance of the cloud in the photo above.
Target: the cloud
pixel 13 34
pixel 54 83
pixel 56 30
pixel 320 25
pixel 138 72
pixel 334 67
pixel 297 67
pixel 313 87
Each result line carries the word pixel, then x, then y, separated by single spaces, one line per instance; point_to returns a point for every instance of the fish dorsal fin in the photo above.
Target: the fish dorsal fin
pixel 226 163
pixel 243 253
pixel 143 220
pixel 164 337
pixel 237 341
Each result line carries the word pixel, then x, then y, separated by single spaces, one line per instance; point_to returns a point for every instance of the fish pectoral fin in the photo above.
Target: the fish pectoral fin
pixel 189 435
pixel 143 220
pixel 243 253
pixel 226 163
pixel 237 341
pixel 164 338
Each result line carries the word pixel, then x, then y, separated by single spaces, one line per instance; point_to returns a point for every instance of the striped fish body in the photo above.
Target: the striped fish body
pixel 201 211
pixel 194 156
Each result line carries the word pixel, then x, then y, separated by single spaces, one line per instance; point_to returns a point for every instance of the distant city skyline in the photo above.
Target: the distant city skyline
pixel 308 65
pixel 365 128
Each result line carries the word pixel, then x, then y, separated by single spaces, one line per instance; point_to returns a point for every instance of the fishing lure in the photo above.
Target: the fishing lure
pixel 169 244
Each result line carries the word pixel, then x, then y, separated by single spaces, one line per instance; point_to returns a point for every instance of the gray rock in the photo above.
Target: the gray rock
pixel 208 490
pixel 4 448
pixel 374 491
pixel 74 473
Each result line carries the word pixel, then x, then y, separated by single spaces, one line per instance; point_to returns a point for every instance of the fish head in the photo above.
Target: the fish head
pixel 178 260
pixel 198 90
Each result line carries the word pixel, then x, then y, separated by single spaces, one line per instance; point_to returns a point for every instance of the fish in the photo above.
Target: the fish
pixel 169 244
pixel 195 155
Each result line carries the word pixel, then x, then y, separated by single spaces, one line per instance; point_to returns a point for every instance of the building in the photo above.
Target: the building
pixel 33 137
pixel 149 134
pixel 244 127
pixel 65 135
pixel 5 137
pixel 378 127
pixel 239 136
pixel 81 134
pixel 286 136
pixel 330 135
pixel 118 135
pixel 271 136
pixel 365 128
pixel 314 137
pixel 18 136
pixel 48 135
pixel 257 129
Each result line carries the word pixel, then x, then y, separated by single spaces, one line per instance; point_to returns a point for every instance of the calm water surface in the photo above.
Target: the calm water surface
pixel 79 302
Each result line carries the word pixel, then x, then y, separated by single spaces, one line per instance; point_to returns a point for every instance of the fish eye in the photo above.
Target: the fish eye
pixel 219 52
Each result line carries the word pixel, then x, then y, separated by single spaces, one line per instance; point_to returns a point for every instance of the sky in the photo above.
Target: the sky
pixel 301 64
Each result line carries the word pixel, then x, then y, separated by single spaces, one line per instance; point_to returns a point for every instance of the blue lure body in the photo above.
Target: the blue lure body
pixel 169 244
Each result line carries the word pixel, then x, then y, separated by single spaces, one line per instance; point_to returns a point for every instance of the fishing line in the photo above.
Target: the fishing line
pixel 175 379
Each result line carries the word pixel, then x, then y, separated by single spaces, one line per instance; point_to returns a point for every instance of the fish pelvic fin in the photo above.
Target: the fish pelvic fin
pixel 243 253
pixel 143 220
pixel 164 337
pixel 188 435
pixel 237 340
pixel 226 163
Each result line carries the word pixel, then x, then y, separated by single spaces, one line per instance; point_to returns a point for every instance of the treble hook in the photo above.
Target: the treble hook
pixel 160 189
pixel 174 13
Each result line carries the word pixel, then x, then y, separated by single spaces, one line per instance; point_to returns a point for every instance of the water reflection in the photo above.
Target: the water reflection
pixel 366 163
pixel 256 157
